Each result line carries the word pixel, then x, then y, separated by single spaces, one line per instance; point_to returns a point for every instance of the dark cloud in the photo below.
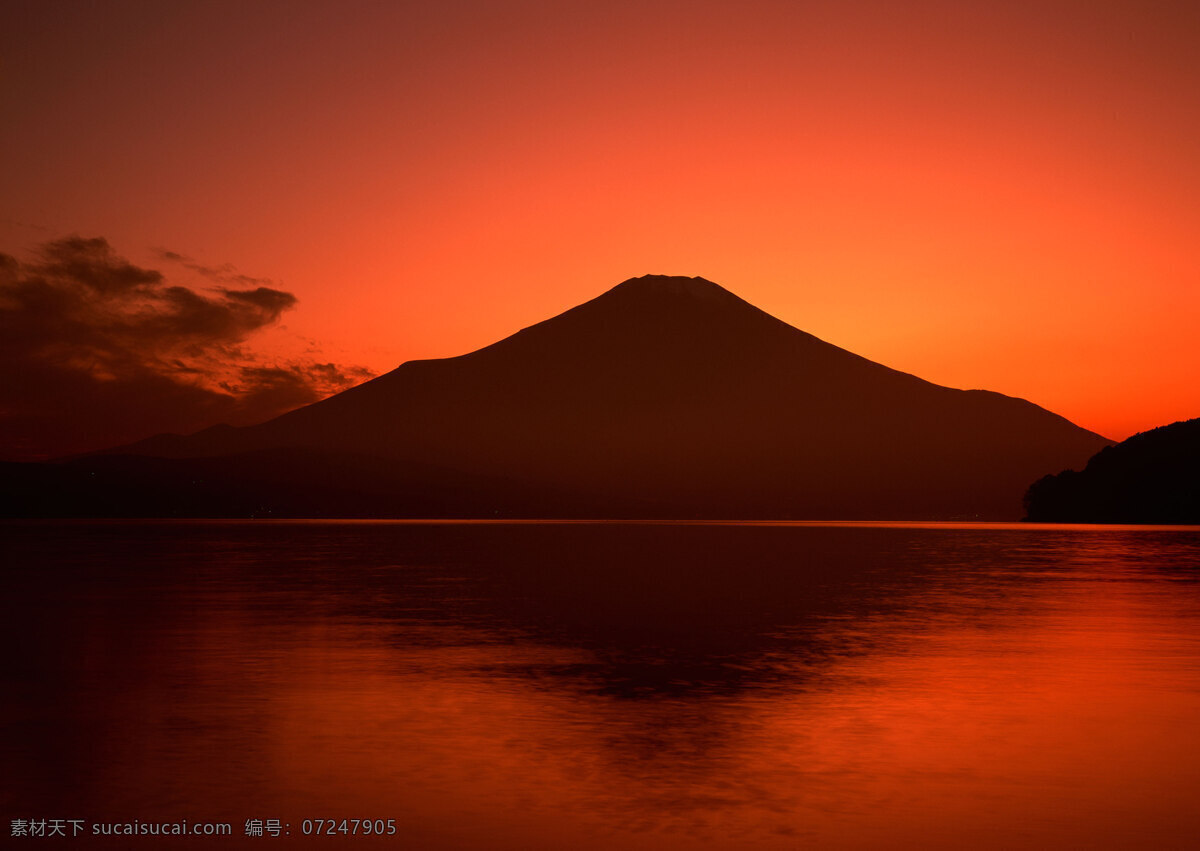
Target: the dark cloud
pixel 264 298
pixel 91 263
pixel 226 273
pixel 267 390
pixel 96 351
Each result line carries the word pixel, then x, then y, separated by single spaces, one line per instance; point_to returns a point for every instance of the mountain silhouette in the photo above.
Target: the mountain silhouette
pixel 665 396
pixel 1153 477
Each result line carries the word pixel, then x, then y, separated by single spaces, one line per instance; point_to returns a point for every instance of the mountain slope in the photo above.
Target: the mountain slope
pixel 1153 477
pixel 675 391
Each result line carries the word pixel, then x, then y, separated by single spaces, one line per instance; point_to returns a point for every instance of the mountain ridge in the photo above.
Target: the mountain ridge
pixel 1151 477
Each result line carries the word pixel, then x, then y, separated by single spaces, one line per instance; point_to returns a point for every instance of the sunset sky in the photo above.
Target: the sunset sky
pixel 992 195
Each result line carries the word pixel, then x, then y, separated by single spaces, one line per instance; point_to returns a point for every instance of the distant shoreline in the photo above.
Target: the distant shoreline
pixel 948 525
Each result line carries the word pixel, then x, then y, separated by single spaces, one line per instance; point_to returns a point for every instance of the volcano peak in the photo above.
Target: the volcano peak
pixel 680 285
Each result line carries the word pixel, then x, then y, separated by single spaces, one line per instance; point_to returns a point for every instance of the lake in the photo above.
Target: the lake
pixel 604 685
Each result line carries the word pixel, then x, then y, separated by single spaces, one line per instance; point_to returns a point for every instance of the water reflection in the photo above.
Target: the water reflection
pixel 525 686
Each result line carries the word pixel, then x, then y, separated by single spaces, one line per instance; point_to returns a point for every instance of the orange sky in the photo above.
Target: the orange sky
pixel 999 196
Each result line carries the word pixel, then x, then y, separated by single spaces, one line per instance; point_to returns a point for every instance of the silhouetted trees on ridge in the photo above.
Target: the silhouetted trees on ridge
pixel 1153 477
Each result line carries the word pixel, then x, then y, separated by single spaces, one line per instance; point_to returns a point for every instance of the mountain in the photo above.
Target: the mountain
pixel 1153 477
pixel 670 396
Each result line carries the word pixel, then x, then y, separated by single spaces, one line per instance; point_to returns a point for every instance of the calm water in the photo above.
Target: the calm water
pixel 566 686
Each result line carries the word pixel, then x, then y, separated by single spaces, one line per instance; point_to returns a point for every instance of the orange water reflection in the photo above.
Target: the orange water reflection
pixel 600 687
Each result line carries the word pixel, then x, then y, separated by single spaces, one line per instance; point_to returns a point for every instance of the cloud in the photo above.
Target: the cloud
pixel 96 351
pixel 226 273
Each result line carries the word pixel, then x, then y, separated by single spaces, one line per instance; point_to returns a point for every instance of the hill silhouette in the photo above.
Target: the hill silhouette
pixel 665 396
pixel 1153 477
